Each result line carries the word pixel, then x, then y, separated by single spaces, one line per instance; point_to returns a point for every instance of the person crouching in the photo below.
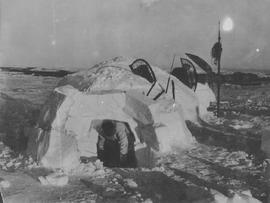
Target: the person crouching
pixel 115 146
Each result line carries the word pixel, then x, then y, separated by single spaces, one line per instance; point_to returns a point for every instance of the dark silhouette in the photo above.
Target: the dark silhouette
pixel 115 145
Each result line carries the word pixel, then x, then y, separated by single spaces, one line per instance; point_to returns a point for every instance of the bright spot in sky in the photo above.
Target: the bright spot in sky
pixel 227 24
pixel 257 50
pixel 53 43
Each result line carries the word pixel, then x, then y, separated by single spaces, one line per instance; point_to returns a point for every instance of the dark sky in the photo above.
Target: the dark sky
pixel 80 33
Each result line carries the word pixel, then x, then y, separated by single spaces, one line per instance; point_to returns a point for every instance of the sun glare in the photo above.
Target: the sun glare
pixel 53 42
pixel 227 24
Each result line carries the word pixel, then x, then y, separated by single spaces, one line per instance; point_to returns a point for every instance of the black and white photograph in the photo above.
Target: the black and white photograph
pixel 135 101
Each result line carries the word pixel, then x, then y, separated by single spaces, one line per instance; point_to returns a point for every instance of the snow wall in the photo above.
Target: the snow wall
pixel 205 95
pixel 109 90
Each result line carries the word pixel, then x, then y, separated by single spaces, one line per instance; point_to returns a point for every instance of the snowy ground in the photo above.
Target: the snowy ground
pixel 177 178
pixel 191 176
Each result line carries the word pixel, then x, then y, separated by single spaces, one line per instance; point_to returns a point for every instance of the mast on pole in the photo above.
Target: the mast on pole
pixel 218 74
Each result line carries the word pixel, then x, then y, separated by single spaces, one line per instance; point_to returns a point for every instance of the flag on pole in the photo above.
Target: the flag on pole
pixel 216 52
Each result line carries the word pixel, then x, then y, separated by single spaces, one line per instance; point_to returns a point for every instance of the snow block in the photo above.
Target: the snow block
pixel 205 95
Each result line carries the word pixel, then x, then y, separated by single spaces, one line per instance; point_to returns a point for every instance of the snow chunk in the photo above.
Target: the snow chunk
pixel 147 201
pixel 110 192
pixel 4 184
pixel 85 169
pixel 239 124
pixel 219 197
pixel 98 164
pixel 43 180
pixel 131 183
pixel 55 179
pixel 243 197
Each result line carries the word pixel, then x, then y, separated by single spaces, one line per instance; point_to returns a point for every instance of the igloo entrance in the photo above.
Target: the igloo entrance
pixel 115 143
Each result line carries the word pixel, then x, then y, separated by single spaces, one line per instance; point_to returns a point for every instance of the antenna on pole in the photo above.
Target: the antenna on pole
pixel 219 37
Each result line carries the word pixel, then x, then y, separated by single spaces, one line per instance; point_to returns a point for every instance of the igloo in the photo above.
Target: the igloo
pixel 110 90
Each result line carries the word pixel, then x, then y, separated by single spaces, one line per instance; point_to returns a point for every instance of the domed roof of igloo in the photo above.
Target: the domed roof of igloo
pixel 115 75
pixel 109 75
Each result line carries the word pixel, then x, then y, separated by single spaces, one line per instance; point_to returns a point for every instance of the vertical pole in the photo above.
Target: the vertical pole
pixel 173 90
pixel 218 82
pixel 168 82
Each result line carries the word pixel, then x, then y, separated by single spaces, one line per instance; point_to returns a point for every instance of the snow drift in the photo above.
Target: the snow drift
pixel 109 90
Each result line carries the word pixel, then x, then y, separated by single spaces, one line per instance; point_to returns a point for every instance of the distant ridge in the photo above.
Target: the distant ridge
pixel 249 70
pixel 239 78
pixel 37 71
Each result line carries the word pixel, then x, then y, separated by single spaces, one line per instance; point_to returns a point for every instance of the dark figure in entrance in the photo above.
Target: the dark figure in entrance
pixel 115 146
